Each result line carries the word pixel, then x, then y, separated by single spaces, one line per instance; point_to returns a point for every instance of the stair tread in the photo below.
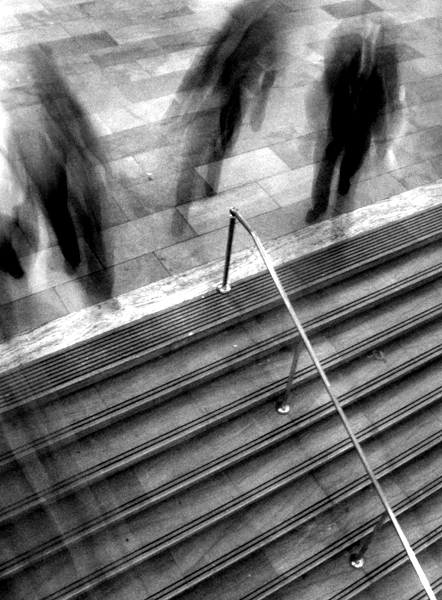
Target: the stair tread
pixel 115 445
pixel 403 583
pixel 132 344
pixel 296 552
pixel 208 502
pixel 169 459
pixel 147 384
pixel 424 428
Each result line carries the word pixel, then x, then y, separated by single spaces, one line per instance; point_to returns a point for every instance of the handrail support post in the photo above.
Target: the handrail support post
pixel 224 287
pixel 283 405
pixel 356 559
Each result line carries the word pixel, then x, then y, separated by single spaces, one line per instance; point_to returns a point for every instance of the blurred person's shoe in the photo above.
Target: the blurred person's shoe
pixel 313 215
pixel 9 261
pixel 343 186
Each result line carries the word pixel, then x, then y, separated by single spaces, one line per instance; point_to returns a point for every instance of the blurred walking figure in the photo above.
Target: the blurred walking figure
pixel 238 70
pixel 11 197
pixel 17 223
pixel 63 168
pixel 362 94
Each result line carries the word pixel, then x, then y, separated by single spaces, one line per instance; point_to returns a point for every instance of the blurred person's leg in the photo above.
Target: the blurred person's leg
pixel 259 109
pixel 9 261
pixel 323 179
pixel 230 119
pixel 55 200
pixel 354 153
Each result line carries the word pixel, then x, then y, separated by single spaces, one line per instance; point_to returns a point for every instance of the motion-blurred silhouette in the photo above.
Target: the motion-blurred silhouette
pixel 63 169
pixel 11 197
pixel 17 231
pixel 236 72
pixel 361 92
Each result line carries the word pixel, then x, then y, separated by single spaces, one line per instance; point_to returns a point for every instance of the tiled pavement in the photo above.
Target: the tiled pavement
pixel 125 59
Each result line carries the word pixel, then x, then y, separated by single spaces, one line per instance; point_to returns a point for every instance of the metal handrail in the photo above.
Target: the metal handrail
pixel 224 287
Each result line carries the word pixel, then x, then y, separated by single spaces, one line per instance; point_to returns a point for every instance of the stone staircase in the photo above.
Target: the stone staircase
pixel 150 463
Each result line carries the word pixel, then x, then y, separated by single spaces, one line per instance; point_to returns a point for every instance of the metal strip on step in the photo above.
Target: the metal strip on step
pixel 132 344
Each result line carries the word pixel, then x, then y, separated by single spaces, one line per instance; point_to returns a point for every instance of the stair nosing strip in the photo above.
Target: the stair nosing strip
pixel 344 446
pixel 74 483
pixel 164 392
pixel 436 439
pixel 395 251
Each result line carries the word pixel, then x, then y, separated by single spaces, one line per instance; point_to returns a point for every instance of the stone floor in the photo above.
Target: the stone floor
pixel 125 60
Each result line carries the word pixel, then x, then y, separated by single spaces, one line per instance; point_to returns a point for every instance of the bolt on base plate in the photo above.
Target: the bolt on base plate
pixel 223 289
pixel 356 561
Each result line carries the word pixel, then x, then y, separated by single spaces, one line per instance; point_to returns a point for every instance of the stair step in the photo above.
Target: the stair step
pixel 326 456
pixel 402 582
pixel 388 572
pixel 217 358
pixel 361 483
pixel 311 561
pixel 71 479
pixel 162 489
pixel 133 344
